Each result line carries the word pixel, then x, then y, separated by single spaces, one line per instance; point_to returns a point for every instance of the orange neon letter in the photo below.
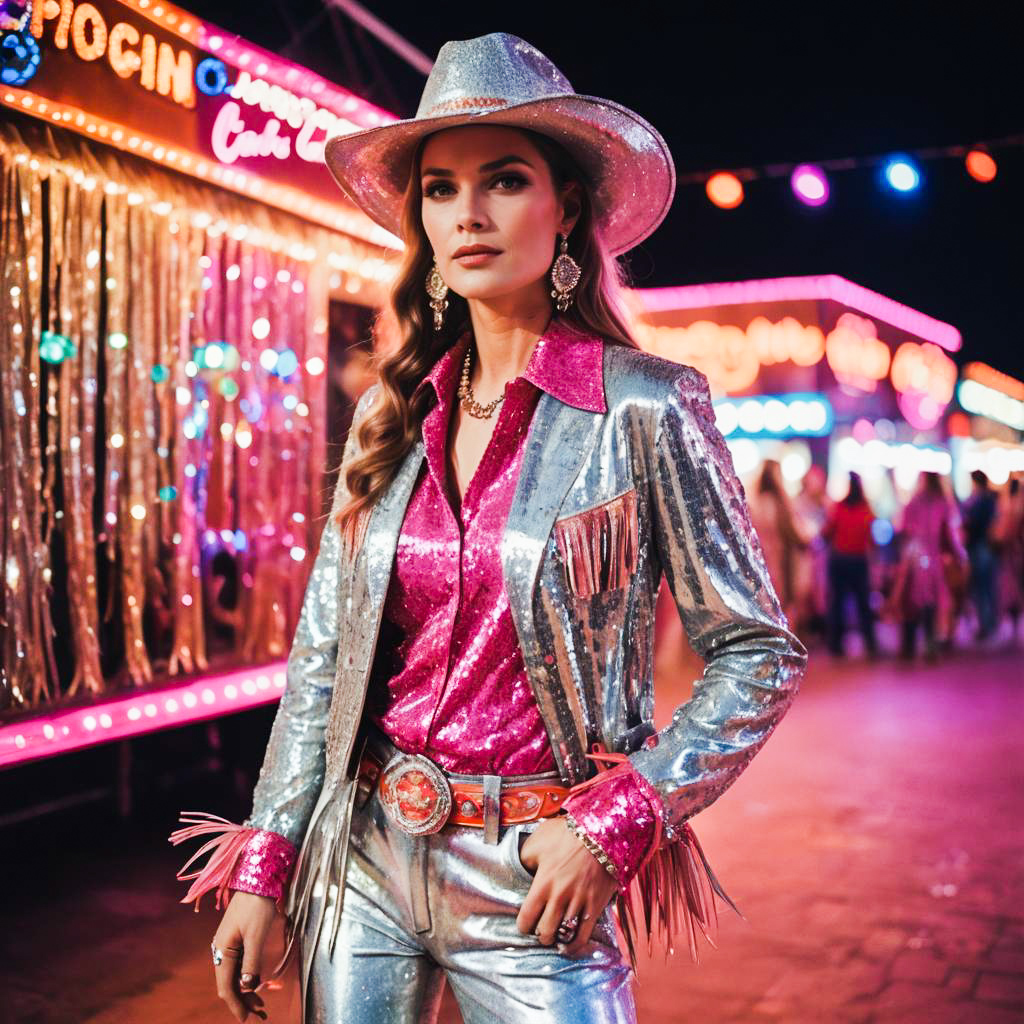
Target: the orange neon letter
pixel 148 77
pixel 88 49
pixel 174 76
pixel 124 62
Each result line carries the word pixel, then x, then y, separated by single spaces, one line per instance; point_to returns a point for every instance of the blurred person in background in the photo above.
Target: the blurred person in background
pixel 781 532
pixel 810 576
pixel 931 570
pixel 979 515
pixel 848 534
pixel 1009 538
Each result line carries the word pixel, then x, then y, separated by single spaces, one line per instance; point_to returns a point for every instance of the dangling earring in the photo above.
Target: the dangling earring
pixel 437 290
pixel 565 275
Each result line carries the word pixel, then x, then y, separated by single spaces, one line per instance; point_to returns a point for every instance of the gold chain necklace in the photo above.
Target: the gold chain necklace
pixel 469 403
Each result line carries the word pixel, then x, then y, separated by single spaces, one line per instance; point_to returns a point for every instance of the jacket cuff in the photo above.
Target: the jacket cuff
pixel 240 857
pixel 618 817
pixel 264 865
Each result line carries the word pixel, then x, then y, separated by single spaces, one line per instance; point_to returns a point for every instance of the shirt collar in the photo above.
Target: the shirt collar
pixel 567 364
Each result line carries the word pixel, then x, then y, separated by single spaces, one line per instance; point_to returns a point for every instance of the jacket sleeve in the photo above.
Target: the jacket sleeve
pixel 715 570
pixel 258 856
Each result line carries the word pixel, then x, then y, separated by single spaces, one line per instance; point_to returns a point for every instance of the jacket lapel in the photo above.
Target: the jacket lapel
pixel 384 527
pixel 559 438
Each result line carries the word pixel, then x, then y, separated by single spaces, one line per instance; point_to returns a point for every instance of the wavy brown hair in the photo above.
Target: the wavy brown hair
pixel 391 426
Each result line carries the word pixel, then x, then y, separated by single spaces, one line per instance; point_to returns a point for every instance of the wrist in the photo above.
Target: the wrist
pixel 591 844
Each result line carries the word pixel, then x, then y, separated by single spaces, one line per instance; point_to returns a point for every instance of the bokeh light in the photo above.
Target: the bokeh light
pixel 725 190
pixel 980 166
pixel 809 185
pixel 901 174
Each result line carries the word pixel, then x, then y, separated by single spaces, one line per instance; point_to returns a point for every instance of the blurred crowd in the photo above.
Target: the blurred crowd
pixel 943 572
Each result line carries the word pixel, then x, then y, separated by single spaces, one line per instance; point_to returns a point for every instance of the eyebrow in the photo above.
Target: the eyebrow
pixel 503 161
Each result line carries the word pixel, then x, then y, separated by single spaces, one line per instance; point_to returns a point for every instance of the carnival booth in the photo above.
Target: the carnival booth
pixel 988 434
pixel 180 273
pixel 813 370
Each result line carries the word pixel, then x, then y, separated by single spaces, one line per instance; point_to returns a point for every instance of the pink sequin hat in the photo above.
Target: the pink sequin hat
pixel 501 79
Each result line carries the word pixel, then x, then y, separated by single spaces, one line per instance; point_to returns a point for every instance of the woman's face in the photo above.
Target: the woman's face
pixel 488 187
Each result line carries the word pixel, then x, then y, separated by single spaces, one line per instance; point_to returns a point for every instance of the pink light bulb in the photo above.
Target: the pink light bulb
pixel 810 185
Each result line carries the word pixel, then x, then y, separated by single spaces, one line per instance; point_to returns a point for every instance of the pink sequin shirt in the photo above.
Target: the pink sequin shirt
pixel 448 679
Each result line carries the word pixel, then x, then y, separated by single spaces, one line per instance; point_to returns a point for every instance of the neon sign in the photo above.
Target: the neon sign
pixel 792 415
pixel 149 78
pixel 821 287
pixel 924 378
pixel 159 66
pixel 855 353
pixel 231 139
pixel 731 357
pixel 983 400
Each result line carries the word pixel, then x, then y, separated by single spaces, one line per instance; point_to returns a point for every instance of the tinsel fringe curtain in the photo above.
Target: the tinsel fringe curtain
pixel 130 469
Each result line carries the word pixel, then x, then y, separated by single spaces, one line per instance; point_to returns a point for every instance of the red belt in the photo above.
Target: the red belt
pixel 421 798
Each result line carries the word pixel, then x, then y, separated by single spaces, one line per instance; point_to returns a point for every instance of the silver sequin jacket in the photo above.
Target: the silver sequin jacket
pixel 656 454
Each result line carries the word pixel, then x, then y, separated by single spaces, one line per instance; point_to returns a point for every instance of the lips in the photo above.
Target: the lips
pixel 475 250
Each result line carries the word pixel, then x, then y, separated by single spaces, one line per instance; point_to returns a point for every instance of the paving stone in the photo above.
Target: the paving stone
pixel 920 966
pixel 961 980
pixel 883 943
pixel 929 1002
pixel 1001 988
pixel 1009 962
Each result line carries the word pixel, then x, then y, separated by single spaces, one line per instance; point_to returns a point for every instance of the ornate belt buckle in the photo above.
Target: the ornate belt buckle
pixel 415 794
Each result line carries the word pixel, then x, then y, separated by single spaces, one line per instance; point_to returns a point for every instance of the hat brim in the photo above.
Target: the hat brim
pixel 628 162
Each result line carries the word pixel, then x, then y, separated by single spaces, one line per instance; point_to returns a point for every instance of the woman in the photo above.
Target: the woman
pixel 781 532
pixel 931 553
pixel 476 637
pixel 848 533
pixel 1009 537
pixel 811 574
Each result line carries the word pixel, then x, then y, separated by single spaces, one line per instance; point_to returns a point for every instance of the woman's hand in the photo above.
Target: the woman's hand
pixel 240 937
pixel 567 880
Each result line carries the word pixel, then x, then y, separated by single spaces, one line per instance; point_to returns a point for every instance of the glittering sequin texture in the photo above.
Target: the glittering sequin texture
pixel 264 865
pixel 616 420
pixel 449 678
pixel 620 819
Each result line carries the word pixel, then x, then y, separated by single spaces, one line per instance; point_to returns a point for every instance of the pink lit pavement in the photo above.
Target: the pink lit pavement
pixel 875 847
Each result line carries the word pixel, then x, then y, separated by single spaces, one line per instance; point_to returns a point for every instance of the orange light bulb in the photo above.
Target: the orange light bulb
pixel 980 166
pixel 725 190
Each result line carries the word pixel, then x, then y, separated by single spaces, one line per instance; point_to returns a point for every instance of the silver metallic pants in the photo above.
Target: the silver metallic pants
pixel 420 908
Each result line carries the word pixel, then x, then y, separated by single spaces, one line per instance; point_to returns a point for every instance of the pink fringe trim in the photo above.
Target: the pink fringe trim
pixel 219 869
pixel 599 545
pixel 674 885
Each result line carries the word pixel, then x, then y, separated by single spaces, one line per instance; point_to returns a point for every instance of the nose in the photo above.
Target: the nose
pixel 471 215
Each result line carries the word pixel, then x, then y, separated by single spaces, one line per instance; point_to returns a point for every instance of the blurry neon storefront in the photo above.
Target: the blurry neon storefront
pixel 988 432
pixel 872 378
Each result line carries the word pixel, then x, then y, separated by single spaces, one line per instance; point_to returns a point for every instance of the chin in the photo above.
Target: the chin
pixel 484 285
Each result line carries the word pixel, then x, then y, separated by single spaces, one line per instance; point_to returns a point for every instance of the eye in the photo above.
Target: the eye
pixel 431 189
pixel 512 180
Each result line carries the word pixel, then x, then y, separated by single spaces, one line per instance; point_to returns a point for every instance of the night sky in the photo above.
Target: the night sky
pixel 735 86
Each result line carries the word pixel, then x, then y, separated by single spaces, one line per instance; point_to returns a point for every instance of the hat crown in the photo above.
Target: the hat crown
pixel 487 73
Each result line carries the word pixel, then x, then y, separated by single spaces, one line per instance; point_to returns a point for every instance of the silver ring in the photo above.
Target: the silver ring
pixel 568 928
pixel 218 956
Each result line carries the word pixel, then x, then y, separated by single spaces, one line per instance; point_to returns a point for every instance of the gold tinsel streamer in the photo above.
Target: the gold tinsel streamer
pixel 139 269
pixel 79 388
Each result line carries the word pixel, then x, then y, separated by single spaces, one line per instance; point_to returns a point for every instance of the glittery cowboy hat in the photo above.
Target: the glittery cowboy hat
pixel 501 79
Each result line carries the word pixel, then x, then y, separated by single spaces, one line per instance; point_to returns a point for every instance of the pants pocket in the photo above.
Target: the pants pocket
pixel 517 837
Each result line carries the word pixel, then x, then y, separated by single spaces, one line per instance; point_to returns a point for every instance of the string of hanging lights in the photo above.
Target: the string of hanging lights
pixel 900 173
